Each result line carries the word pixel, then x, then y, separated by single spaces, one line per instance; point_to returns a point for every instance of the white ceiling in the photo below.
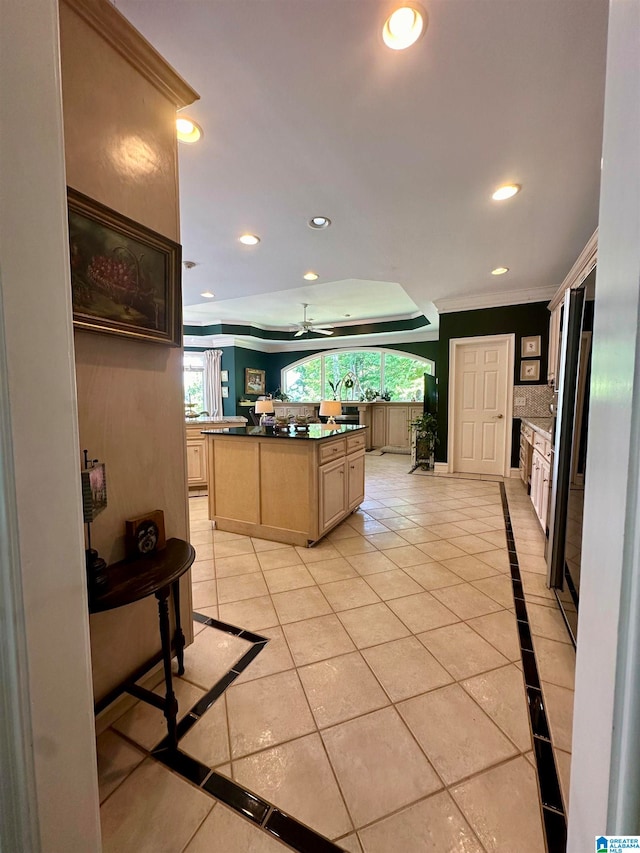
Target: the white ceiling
pixel 306 112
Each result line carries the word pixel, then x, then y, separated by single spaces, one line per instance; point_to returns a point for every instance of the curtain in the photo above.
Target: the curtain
pixel 212 384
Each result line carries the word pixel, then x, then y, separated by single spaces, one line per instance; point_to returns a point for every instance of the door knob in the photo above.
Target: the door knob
pixel 498 416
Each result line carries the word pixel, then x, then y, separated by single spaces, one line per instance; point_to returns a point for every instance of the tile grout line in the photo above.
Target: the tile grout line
pixel 336 613
pixel 552 807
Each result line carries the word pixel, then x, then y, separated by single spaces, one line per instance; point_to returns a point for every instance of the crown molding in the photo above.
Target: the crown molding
pixel 494 300
pixel 587 260
pixel 311 344
pixel 114 28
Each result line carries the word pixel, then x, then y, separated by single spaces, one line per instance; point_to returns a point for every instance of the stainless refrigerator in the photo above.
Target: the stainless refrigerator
pixel 570 445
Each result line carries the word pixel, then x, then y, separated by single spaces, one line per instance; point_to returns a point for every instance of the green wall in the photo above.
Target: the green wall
pixel 521 320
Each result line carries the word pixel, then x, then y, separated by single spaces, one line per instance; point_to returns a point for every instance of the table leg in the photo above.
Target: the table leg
pixel 178 636
pixel 171 703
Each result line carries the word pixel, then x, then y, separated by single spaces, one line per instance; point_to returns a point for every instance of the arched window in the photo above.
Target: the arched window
pixel 356 375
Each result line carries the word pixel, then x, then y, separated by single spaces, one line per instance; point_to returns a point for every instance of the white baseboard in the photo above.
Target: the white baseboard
pixel 515 472
pixel 441 467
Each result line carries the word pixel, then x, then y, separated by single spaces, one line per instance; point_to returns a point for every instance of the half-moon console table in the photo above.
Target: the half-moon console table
pixel 132 580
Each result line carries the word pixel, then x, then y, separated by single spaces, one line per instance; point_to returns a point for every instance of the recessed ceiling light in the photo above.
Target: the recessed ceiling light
pixel 403 27
pixel 187 130
pixel 310 276
pixel 249 239
pixel 207 294
pixel 499 270
pixel 319 222
pixel 506 191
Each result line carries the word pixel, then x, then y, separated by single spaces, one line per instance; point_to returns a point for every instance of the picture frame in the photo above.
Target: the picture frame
pixel 530 371
pixel 254 381
pixel 225 391
pixel 125 278
pixel 224 376
pixel 531 346
pixel 145 534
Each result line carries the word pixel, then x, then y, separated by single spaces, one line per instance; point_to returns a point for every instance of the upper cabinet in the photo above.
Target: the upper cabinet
pixel 579 271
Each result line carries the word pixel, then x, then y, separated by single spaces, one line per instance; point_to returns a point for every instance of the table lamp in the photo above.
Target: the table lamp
pixel 331 409
pixel 264 407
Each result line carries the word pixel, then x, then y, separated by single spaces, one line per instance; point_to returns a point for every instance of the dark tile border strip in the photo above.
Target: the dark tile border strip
pixel 265 815
pixel 553 814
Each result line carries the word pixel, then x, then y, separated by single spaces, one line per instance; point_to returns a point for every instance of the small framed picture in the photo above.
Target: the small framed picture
pixel 531 346
pixel 254 381
pixel 225 391
pixel 224 376
pixel 145 534
pixel 529 371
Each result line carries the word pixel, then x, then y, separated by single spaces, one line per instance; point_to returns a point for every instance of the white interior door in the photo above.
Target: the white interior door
pixel 483 374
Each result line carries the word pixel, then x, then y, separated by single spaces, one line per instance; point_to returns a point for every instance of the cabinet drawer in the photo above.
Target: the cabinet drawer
pixel 332 451
pixel 355 442
pixel 542 445
pixel 527 433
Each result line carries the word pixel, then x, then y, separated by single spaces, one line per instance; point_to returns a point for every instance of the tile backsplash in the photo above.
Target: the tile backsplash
pixel 531 401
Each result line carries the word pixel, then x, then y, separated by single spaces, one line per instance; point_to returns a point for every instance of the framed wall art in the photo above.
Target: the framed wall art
pixel 225 391
pixel 530 346
pixel 529 371
pixel 224 376
pixel 254 381
pixel 125 278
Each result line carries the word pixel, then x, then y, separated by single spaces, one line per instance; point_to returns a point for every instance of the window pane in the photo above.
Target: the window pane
pixel 359 366
pixel 404 377
pixel 194 389
pixel 302 382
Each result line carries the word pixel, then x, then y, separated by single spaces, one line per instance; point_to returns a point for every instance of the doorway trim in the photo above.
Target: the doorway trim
pixel 454 345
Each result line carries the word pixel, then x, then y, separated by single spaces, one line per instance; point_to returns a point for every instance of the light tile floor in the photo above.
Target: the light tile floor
pixel 387 711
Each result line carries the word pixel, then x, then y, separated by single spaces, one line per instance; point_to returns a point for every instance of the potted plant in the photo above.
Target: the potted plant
pixel 426 429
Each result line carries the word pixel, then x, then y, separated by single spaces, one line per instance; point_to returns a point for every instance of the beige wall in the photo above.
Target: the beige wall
pixel 121 150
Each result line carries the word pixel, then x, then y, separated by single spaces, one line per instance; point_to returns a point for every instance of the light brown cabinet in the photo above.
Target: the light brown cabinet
pixel 391 424
pixel 286 489
pixel 333 485
pixel 197 462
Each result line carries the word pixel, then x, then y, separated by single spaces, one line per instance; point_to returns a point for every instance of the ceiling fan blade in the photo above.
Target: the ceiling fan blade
pixel 322 331
pixel 299 332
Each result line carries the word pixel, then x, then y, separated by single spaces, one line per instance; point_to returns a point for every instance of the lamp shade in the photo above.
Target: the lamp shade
pixel 331 408
pixel 264 407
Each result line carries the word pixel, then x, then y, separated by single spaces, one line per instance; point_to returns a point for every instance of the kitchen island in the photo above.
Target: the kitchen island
pixel 287 486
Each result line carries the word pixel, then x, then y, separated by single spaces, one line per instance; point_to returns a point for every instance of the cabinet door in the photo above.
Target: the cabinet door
pixel 535 483
pixel 355 480
pixel 398 426
pixel 379 436
pixel 333 497
pixel 196 462
pixel 545 488
pixel 554 344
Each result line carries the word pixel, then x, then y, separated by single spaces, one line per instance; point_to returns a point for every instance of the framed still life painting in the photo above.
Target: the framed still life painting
pixel 125 278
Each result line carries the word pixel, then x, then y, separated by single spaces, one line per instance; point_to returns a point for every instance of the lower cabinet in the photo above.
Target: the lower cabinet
pixel 379 427
pixel 197 461
pixel 285 489
pixel 390 424
pixel 540 485
pixel 355 480
pixel 333 497
pixel 341 485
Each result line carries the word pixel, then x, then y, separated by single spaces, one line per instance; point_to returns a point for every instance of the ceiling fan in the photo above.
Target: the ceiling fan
pixel 307 325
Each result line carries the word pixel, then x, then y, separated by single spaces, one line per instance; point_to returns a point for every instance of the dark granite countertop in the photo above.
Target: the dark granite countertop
pixel 314 432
